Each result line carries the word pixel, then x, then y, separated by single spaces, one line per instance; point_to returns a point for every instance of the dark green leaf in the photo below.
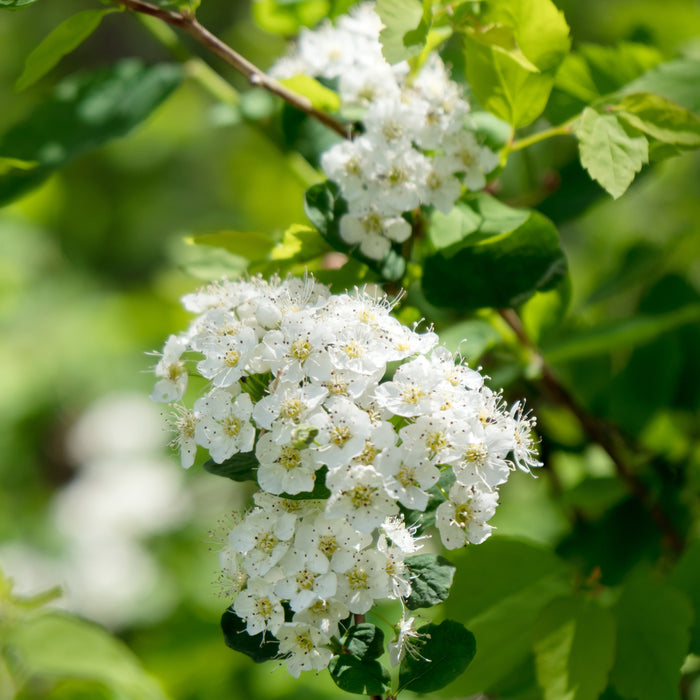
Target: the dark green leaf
pixel 365 641
pixel 499 68
pixel 241 467
pixel 65 38
pixel 503 584
pixel 256 385
pixel 660 118
pixel 324 206
pixel 686 577
pixel 354 675
pixel 609 152
pixel 83 113
pixel 511 255
pixel 404 30
pixel 653 623
pixel 431 578
pixel 574 643
pixel 447 650
pixel 260 647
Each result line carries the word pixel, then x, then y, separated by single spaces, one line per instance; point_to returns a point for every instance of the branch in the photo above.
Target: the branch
pixel 600 433
pixel 256 77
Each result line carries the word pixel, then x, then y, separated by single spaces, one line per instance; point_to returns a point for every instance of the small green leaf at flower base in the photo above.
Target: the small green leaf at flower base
pixel 609 152
pixel 362 677
pixel 260 647
pixel 365 641
pixel 447 650
pixel 241 467
pixel 431 578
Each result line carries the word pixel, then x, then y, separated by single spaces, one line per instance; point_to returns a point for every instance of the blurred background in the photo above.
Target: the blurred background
pixel 92 266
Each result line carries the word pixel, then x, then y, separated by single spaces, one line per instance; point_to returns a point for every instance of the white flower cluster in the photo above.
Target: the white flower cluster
pixel 418 147
pixel 301 378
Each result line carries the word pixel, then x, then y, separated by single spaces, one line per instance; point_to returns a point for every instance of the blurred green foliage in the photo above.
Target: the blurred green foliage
pixel 93 262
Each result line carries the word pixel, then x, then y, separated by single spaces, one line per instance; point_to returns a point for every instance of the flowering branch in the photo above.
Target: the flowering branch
pixel 187 22
pixel 600 433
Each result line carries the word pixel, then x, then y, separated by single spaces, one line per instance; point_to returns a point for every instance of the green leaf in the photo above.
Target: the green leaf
pixel 57 645
pixel 324 206
pixel 675 80
pixel 241 467
pixel 247 244
pixel 299 244
pixel 447 230
pixel 574 643
pixel 470 338
pixel 405 30
pixel 84 112
pixel 618 334
pixel 431 578
pixel 546 310
pixel 8 164
pixel 321 97
pixel 653 623
pixel 512 254
pixel 660 118
pixel 502 76
pixel 320 490
pixel 610 154
pixel 15 4
pixel 353 675
pixel 260 647
pixel 686 577
pixel 503 584
pixel 447 650
pixel 365 641
pixel 65 38
pixel 279 17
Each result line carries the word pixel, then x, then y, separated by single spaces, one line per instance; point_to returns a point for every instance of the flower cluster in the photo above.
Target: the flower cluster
pixel 418 146
pixel 351 420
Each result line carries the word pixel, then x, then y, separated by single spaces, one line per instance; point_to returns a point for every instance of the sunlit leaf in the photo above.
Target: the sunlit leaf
pixel 248 244
pixel 401 19
pixel 321 97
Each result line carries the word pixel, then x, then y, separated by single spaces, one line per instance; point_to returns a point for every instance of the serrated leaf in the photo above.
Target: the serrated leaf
pixel 354 675
pixel 502 39
pixel 241 467
pixel 574 644
pixel 502 83
pixel 445 653
pixel 686 577
pixel 503 584
pixel 675 80
pixel 660 118
pixel 66 37
pixel 259 647
pixel 608 152
pixel 365 641
pixel 653 633
pixel 321 97
pixel 84 112
pixel 248 244
pixel 400 17
pixel 512 254
pixel 57 645
pixel 431 579
pixel 299 244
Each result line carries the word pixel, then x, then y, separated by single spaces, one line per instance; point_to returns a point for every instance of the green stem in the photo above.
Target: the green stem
pixel 561 130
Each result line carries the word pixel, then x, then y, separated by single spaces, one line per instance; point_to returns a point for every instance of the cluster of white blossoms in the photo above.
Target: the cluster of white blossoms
pixel 418 146
pixel 330 394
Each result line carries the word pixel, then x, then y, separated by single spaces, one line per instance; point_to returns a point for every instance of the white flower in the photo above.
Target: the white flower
pixel 463 518
pixel 324 615
pixel 184 423
pixel 171 370
pixel 284 468
pixel 307 579
pixel 330 537
pixel 407 641
pixel 224 426
pixel 362 579
pixel 305 646
pixel 407 477
pixel 259 607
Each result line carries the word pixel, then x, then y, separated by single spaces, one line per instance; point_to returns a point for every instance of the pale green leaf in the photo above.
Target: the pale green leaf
pixel 248 244
pixel 321 97
pixel 400 18
pixel 66 37
pixel 299 244
pixel 660 118
pixel 279 17
pixel 653 633
pixel 610 154
pixel 502 39
pixel 8 164
pixel 574 643
pixel 675 80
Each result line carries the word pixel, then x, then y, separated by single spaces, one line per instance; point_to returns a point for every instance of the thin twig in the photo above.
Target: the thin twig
pixel 601 433
pixel 188 23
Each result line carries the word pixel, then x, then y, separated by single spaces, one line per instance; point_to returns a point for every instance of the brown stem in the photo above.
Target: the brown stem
pixel 599 432
pixel 187 22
